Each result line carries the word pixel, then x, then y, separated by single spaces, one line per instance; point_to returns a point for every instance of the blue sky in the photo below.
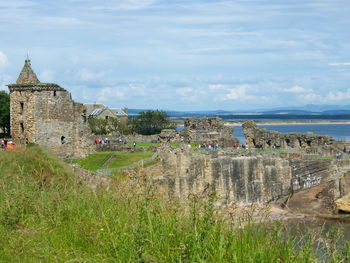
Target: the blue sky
pixel 183 54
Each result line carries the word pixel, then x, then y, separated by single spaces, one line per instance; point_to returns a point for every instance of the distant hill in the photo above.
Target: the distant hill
pixel 310 111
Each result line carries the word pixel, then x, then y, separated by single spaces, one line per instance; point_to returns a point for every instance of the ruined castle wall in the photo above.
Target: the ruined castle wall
pixel 244 180
pixel 262 138
pixel 45 114
pixel 61 125
pixel 22 110
pixel 208 130
pixel 51 119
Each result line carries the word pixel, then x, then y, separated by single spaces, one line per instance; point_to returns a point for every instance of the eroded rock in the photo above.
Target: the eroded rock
pixel 263 138
pixel 343 204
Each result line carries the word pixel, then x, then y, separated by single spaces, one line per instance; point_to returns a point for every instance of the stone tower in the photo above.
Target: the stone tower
pixel 45 114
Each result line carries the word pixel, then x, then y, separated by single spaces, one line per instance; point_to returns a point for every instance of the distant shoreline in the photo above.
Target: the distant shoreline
pixel 289 123
pixel 226 123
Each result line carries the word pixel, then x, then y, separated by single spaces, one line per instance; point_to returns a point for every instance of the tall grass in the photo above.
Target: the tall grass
pixel 48 215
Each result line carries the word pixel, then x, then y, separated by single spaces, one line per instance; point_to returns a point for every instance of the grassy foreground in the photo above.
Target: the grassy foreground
pixel 48 215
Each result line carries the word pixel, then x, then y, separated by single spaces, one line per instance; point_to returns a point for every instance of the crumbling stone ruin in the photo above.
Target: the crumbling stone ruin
pixel 244 178
pixel 208 130
pixel 45 114
pixel 262 138
pixel 170 134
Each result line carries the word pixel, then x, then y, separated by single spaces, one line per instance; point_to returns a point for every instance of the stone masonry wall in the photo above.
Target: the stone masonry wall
pixel 50 118
pixel 23 116
pixel 45 114
pixel 61 125
pixel 262 138
pixel 208 130
pixel 248 179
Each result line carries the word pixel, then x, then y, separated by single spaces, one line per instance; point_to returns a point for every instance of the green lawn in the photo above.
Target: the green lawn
pixel 150 144
pixel 96 160
pixel 144 144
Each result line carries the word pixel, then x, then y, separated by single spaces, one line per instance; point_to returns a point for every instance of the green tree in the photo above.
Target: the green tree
pixel 151 122
pixel 5 112
pixel 104 126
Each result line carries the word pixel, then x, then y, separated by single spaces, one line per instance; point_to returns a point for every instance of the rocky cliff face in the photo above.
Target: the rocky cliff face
pixel 247 178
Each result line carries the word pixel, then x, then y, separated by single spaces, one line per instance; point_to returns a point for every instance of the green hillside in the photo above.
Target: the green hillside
pixel 48 215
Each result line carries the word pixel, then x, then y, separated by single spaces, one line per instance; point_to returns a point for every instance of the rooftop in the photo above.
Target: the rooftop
pixel 27 75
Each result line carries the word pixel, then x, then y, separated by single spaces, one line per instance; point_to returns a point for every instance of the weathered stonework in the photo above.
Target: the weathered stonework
pixel 262 138
pixel 45 114
pixel 171 134
pixel 208 130
pixel 247 178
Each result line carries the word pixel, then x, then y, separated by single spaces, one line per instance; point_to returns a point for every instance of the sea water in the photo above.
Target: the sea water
pixel 340 132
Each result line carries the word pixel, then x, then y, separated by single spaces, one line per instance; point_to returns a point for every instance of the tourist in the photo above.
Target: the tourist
pixel 134 144
pixel 3 143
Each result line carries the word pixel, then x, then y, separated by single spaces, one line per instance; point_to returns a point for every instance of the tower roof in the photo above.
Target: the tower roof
pixel 27 75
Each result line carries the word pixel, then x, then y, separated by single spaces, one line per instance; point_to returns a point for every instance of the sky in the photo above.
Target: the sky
pixel 182 54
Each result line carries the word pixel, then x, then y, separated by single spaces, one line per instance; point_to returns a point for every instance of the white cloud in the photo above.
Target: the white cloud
pixel 239 92
pixel 3 59
pixel 185 92
pixel 333 96
pixel 191 94
pixel 64 21
pixel 90 76
pixel 338 96
pixel 16 4
pixel 309 97
pixel 4 80
pixel 126 5
pixel 297 89
pixel 217 87
pixel 108 94
pixel 119 94
pixel 47 75
pixel 137 89
pixel 339 64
